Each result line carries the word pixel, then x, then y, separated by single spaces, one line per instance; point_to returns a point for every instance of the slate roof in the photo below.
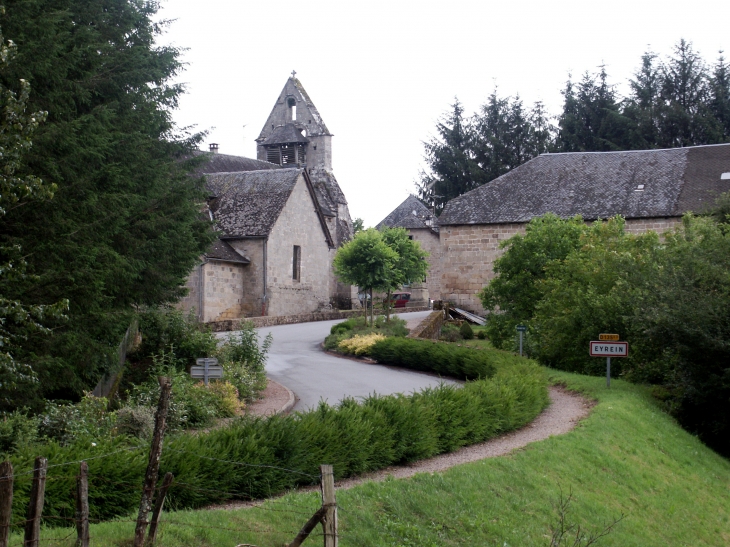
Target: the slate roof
pixel 247 204
pixel 224 163
pixel 410 214
pixel 220 250
pixel 599 185
pixel 284 134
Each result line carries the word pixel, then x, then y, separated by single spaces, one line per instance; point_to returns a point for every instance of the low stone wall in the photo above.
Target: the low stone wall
pixel 271 321
pixel 430 327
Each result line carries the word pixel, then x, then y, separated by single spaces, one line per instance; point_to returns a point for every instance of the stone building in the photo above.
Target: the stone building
pixel 651 189
pixel 280 220
pixel 422 225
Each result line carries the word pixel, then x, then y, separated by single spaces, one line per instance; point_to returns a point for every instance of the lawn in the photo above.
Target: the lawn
pixel 626 458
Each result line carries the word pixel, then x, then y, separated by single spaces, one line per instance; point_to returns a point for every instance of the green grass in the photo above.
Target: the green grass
pixel 627 457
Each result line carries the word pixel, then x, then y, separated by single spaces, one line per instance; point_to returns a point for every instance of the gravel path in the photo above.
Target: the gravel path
pixel 565 411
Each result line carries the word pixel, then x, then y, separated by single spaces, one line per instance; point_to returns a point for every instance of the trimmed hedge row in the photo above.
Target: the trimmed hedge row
pixel 233 462
pixel 445 359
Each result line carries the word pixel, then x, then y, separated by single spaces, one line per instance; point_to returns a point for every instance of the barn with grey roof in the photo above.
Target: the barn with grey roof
pixel 651 189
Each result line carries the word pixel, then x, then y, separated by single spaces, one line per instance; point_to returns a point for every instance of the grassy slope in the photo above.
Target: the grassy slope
pixel 626 457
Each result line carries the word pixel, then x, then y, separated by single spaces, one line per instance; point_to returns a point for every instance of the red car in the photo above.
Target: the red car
pixel 400 299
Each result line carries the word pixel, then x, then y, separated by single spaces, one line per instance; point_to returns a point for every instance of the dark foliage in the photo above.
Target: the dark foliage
pixel 123 228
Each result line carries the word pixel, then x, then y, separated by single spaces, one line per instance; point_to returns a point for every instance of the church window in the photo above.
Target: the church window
pixel 297 263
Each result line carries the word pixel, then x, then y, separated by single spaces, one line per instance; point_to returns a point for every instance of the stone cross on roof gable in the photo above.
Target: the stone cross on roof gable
pixel 293 73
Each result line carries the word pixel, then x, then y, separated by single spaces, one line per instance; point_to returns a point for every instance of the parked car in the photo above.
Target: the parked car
pixel 400 299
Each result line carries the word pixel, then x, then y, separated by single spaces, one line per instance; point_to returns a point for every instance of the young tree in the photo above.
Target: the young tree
pixel 511 297
pixel 123 229
pixel 366 261
pixel 410 266
pixel 720 96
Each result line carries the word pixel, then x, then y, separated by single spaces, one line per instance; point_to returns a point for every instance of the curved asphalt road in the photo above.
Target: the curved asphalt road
pixel 296 360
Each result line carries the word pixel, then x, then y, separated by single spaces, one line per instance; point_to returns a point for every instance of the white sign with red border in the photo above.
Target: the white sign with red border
pixel 609 349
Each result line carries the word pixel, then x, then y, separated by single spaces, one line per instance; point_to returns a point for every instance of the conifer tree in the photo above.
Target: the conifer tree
pixel 449 158
pixel 123 229
pixel 720 97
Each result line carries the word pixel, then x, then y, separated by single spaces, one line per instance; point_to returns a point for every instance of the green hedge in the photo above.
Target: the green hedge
pixel 446 359
pixel 355 437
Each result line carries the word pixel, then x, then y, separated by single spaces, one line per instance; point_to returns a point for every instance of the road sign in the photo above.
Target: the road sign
pixel 521 328
pixel 208 368
pixel 609 337
pixel 609 349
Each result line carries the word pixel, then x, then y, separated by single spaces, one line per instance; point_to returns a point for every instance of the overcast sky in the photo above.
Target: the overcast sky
pixel 381 73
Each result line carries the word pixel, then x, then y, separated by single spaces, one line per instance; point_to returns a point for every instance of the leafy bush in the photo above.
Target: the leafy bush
pixel 466 331
pixel 460 362
pixel 346 325
pixel 17 430
pixel 360 344
pixel 357 326
pixel 450 333
pixel 244 360
pixel 162 328
pixel 481 334
pixel 87 419
pixel 135 421
pixel 227 401
pixel 252 457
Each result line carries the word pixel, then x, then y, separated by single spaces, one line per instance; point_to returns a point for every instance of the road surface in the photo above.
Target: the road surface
pixel 296 360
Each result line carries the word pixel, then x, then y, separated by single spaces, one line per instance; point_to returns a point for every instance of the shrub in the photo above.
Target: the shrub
pixel 466 331
pixel 248 381
pixel 86 419
pixel 482 335
pixel 347 325
pixel 17 430
pixel 360 344
pixel 135 421
pixel 450 333
pixel 252 457
pixel 460 362
pixel 227 400
pixel 244 360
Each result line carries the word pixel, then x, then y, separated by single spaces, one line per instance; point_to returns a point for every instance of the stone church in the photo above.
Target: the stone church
pixel 651 189
pixel 280 219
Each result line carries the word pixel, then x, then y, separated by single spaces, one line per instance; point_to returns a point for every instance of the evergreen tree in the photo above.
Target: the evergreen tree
pixel 643 103
pixel 592 119
pixel 123 229
pixel 685 116
pixel 720 97
pixel 451 167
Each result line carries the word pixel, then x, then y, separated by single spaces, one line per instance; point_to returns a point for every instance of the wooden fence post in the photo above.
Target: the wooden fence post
pixel 166 482
pixel 310 525
pixel 154 463
pixel 35 507
pixel 329 502
pixel 82 506
pixel 6 501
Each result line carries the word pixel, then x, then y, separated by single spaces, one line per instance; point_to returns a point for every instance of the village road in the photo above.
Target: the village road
pixel 296 360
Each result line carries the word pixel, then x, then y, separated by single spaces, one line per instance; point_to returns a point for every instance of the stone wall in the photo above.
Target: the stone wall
pixel 252 283
pixel 430 327
pixel 271 321
pixel 220 285
pixel 298 224
pixel 658 225
pixel 469 252
pixel 430 242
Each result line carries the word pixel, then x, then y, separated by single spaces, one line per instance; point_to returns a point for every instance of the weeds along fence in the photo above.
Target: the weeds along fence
pixel 255 458
pixel 150 490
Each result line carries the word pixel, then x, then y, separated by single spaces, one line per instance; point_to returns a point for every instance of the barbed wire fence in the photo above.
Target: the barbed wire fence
pixel 149 522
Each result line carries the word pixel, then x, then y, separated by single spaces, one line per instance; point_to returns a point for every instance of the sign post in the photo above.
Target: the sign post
pixel 521 329
pixel 609 349
pixel 207 368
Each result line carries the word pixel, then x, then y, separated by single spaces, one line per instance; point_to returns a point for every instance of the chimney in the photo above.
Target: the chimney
pixel 213 147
